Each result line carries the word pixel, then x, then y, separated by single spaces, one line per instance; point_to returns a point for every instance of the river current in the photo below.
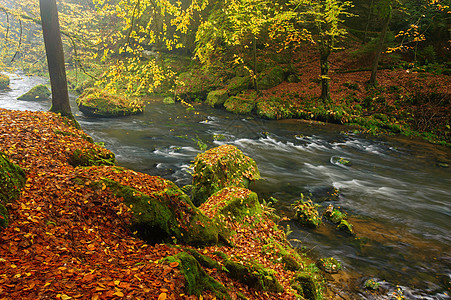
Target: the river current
pixel 396 191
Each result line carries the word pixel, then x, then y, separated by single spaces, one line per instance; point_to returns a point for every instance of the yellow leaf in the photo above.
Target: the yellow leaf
pixel 162 296
pixel 65 297
pixel 119 294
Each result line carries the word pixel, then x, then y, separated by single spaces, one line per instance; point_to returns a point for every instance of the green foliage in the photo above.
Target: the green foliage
pixel 307 212
pixel 329 265
pixel 371 284
pixel 12 180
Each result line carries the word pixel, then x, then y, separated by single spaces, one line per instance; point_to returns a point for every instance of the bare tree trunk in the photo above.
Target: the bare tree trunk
pixel 379 50
pixel 254 49
pixel 55 57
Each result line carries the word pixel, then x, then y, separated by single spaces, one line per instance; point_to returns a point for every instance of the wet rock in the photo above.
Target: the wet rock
pixel 39 92
pixel 98 103
pixel 334 215
pixel 340 161
pixel 220 167
pixel 345 226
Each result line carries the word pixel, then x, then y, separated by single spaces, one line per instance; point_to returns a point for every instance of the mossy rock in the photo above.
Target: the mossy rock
pixel 307 285
pixel 4 81
pixel 168 100
pixel 197 280
pixel 98 103
pixel 239 105
pixel 273 109
pixel 12 180
pixel 96 156
pixel 272 78
pixel 253 275
pixel 234 202
pixel 290 259
pixel 166 214
pixel 307 213
pixel 329 265
pixel 217 98
pixel 196 84
pixel 220 167
pixel 371 284
pixel 39 92
pixel 238 84
pixel 345 226
pixel 334 215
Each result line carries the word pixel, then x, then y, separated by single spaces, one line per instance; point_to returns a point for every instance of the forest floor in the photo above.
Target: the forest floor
pixel 66 240
pixel 417 100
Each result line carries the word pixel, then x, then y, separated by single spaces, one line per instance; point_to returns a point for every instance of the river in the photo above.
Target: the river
pixel 397 191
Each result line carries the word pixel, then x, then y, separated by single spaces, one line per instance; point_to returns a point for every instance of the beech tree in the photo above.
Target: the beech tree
pixel 327 16
pixel 55 57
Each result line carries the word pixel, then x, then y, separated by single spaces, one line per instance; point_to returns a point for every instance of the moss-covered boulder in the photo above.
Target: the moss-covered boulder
pixel 286 255
pixel 253 275
pixel 220 167
pixel 334 215
pixel 196 84
pixel 166 214
pixel 197 280
pixel 234 202
pixel 238 84
pixel 306 284
pixel 168 100
pixel 98 103
pixel 272 78
pixel 217 98
pixel 345 226
pixel 12 180
pixel 239 105
pixel 4 81
pixel 39 92
pixel 95 156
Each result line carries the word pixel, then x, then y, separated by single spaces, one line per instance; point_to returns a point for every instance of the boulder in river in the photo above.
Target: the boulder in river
pixel 4 81
pixel 39 92
pixel 240 105
pixel 95 102
pixel 307 213
pixel 220 167
pixel 217 98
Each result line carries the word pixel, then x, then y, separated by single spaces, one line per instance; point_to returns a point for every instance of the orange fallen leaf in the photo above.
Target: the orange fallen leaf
pixel 174 264
pixel 163 296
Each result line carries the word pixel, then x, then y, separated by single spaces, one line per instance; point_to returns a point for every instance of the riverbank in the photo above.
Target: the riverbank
pixel 68 237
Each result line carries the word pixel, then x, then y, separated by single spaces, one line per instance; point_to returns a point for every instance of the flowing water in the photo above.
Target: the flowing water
pixel 396 191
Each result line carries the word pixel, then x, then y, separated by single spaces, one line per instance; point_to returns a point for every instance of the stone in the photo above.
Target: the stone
pixel 39 92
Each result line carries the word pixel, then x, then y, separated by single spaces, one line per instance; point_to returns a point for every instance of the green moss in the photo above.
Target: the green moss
pixel 168 100
pixel 97 103
pixel 221 167
pixel 371 284
pixel 345 226
pixel 306 284
pixel 4 81
pixel 253 275
pixel 239 105
pixel 12 180
pixel 286 255
pixel 274 108
pixel 217 98
pixel 96 156
pixel 238 84
pixel 197 280
pixel 4 219
pixel 272 78
pixel 166 214
pixel 205 261
pixel 39 92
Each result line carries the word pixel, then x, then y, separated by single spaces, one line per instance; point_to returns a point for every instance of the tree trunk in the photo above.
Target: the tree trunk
pixel 254 48
pixel 55 57
pixel 325 87
pixel 379 50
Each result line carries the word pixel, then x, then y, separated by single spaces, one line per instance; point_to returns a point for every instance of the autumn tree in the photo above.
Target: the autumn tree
pixel 326 16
